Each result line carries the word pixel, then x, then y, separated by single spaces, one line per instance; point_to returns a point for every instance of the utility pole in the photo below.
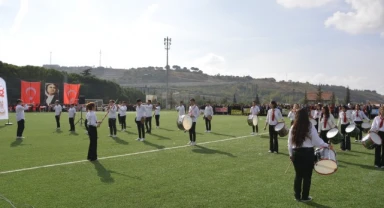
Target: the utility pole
pixel 167 44
pixel 50 58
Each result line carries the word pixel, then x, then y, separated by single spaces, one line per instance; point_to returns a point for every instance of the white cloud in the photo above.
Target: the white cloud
pixel 304 3
pixel 367 17
pixel 20 16
pixel 211 64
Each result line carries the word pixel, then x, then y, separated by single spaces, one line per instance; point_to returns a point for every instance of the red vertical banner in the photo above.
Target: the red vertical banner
pixel 30 92
pixel 71 93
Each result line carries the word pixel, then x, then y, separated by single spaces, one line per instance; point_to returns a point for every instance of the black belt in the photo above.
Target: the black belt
pixel 303 149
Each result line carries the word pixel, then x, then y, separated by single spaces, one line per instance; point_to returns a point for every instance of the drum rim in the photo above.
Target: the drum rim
pixel 335 130
pixel 280 123
pixel 370 137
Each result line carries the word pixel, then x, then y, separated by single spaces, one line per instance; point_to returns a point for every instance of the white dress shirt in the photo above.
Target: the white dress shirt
pixel 311 140
pixel 330 123
pixel 148 110
pixel 291 115
pixel 278 116
pixel 140 112
pixel 194 111
pixel 58 109
pixel 20 112
pixel 254 110
pixel 376 124
pixel 358 115
pixel 157 110
pixel 71 112
pixel 181 110
pixel 123 110
pixel 112 111
pixel 316 114
pixel 208 111
pixel 343 115
pixel 91 118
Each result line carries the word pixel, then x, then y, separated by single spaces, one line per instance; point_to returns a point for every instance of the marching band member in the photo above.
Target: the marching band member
pixel 123 115
pixel 148 116
pixel 378 126
pixel 273 116
pixel 254 111
pixel 326 122
pixel 58 110
pixel 20 118
pixel 302 138
pixel 157 115
pixel 93 123
pixel 194 114
pixel 112 108
pixel 71 117
pixel 140 118
pixel 343 121
pixel 181 108
pixel 118 112
pixel 316 115
pixel 357 117
pixel 292 113
pixel 208 111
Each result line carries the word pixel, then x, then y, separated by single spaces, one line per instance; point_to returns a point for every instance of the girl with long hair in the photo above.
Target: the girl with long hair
pixel 326 122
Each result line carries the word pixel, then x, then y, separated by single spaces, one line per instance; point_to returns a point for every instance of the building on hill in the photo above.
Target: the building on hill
pixel 326 97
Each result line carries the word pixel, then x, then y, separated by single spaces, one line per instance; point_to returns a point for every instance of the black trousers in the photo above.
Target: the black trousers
pixel 86 124
pixel 255 128
pixel 157 118
pixel 323 135
pixel 72 124
pixel 360 135
pixel 112 126
pixel 92 150
pixel 123 120
pixel 346 142
pixel 192 132
pixel 379 152
pixel 140 129
pixel 208 125
pixel 148 124
pixel 273 142
pixel 119 118
pixel 57 121
pixel 20 128
pixel 303 161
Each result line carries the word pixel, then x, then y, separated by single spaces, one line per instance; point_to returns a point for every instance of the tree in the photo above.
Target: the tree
pixel 257 99
pixel 333 99
pixel 305 101
pixel 319 94
pixel 347 96
pixel 87 72
pixel 234 99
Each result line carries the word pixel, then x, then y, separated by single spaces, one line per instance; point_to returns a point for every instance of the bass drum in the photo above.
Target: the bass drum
pixel 371 140
pixel 184 122
pixel 325 161
pixel 252 120
pixel 281 129
pixel 366 126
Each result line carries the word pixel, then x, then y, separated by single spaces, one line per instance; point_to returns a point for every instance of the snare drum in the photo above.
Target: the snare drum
pixel 352 130
pixel 281 129
pixel 252 120
pixel 371 140
pixel 325 161
pixel 184 122
pixel 366 126
pixel 334 136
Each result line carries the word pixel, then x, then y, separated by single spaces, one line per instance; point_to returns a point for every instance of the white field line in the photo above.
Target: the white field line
pixel 123 155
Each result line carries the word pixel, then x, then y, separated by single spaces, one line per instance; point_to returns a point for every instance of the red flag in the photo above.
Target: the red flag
pixel 30 92
pixel 71 93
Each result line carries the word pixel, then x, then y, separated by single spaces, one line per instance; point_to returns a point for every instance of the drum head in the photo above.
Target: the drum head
pixel 255 120
pixel 350 128
pixel 332 133
pixel 366 125
pixel 375 138
pixel 325 167
pixel 187 122
pixel 279 126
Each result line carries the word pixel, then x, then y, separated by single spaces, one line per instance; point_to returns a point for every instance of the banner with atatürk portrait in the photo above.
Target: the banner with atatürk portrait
pixel 30 92
pixel 51 93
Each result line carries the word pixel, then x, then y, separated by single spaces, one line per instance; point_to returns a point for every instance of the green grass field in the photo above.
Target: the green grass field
pixel 227 168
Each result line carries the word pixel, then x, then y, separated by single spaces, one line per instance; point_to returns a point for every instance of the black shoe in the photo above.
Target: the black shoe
pixel 307 199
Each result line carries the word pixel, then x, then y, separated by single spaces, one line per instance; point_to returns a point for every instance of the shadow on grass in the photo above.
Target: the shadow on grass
pixel 129 132
pixel 58 131
pixel 73 133
pixel 16 143
pixel 160 137
pixel 104 174
pixel 2 126
pixel 204 150
pixel 153 145
pixel 370 167
pixel 167 129
pixel 218 134
pixel 314 204
pixel 120 141
pixel 366 153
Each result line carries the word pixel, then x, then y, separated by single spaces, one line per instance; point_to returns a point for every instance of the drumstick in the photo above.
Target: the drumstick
pixel 288 167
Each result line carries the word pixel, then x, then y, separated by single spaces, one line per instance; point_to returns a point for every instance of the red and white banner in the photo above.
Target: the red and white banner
pixel 3 100
pixel 71 93
pixel 30 92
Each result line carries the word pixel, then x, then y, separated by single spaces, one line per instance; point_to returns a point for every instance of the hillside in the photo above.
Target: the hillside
pixel 185 83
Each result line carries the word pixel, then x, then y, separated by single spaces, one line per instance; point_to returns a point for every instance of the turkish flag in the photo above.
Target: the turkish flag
pixel 71 93
pixel 30 92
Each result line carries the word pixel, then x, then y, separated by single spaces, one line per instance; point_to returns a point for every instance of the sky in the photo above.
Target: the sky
pixel 336 42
